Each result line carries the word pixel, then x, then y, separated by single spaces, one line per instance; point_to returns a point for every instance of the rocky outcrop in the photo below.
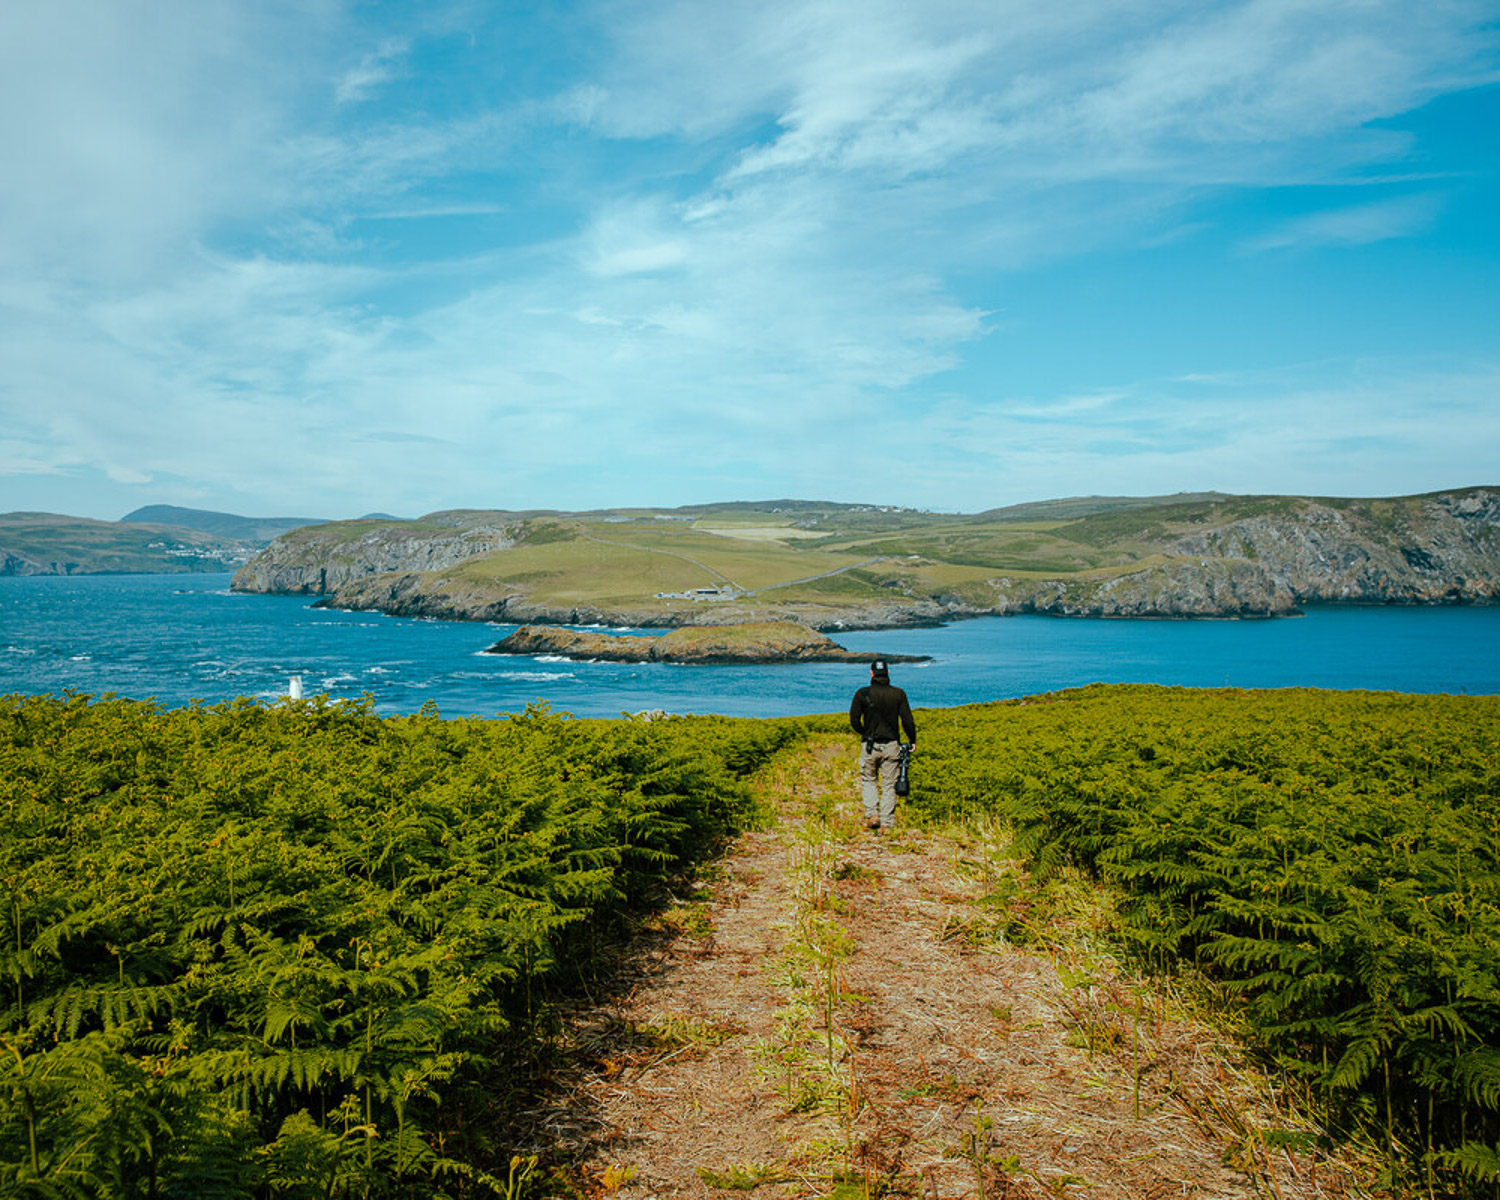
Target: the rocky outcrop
pixel 1202 588
pixel 12 563
pixel 324 558
pixel 1440 549
pixel 758 643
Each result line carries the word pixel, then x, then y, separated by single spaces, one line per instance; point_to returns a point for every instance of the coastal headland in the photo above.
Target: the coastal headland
pixel 834 566
pixel 759 642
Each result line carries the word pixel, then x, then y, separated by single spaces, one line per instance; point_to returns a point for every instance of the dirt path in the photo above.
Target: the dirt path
pixel 846 1013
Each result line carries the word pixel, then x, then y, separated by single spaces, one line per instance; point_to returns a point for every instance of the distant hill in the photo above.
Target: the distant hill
pixel 1075 507
pixel 223 525
pixel 833 566
pixel 160 538
pixel 33 543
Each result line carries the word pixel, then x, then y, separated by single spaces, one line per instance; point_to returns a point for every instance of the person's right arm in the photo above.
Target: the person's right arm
pixel 857 713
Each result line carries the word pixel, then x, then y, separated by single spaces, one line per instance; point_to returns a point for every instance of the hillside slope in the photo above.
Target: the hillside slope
pixel 220 524
pixel 835 566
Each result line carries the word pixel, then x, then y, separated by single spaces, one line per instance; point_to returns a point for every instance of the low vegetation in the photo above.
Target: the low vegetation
pixel 300 950
pixel 1329 861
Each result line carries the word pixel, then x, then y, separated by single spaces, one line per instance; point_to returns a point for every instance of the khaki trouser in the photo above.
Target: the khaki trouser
pixel 877 781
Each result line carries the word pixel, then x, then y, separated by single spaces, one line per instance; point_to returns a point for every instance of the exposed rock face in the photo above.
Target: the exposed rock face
pixel 1207 588
pixel 757 643
pixel 322 559
pixel 418 594
pixel 1442 549
pixel 12 563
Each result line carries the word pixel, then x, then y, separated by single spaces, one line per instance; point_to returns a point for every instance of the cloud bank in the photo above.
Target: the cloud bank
pixel 324 259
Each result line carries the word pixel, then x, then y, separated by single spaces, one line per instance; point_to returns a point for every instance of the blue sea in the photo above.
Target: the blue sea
pixel 180 638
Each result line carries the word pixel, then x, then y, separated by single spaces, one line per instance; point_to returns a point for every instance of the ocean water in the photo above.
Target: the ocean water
pixel 180 638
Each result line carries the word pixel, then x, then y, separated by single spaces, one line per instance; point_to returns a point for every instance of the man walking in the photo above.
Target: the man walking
pixel 879 714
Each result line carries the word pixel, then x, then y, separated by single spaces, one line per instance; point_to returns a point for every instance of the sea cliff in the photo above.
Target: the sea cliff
pixel 836 567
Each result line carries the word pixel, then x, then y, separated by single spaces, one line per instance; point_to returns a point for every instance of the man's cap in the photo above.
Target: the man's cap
pixel 880 668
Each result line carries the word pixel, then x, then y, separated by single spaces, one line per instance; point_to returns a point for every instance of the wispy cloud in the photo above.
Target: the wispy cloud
pixel 748 241
pixel 1358 225
pixel 376 68
pixel 1421 427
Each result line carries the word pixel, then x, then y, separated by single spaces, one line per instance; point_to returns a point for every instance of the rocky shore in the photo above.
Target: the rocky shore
pixel 763 642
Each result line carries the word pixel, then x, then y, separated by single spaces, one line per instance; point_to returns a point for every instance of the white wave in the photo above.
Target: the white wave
pixel 24 651
pixel 81 658
pixel 379 671
pixel 534 676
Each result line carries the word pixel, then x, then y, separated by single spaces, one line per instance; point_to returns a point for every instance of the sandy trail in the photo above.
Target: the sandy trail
pixel 845 1013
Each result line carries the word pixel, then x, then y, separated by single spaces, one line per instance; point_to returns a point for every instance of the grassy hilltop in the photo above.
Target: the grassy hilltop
pixel 832 565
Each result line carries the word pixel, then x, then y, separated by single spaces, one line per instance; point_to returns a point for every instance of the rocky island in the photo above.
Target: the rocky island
pixel 761 642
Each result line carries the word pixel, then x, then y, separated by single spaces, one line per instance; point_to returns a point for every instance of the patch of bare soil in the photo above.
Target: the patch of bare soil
pixel 849 1013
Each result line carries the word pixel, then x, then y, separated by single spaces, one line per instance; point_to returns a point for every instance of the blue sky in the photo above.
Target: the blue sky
pixel 327 258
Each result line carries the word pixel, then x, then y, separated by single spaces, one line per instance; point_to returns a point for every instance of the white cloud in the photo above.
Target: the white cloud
pixel 757 217
pixel 1419 427
pixel 1092 90
pixel 378 67
pixel 129 130
pixel 633 239
pixel 1357 225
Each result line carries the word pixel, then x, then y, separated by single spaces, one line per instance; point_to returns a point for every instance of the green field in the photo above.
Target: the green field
pixel 629 563
pixel 775 560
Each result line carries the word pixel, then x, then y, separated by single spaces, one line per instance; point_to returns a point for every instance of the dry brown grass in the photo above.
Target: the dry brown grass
pixel 849 1015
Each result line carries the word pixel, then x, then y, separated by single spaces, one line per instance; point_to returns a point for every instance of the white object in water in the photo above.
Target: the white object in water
pixel 294 689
